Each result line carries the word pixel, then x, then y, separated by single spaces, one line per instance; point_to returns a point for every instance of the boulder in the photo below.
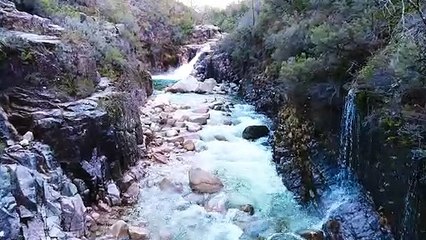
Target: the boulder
pixel 29 136
pixel 312 234
pixel 193 127
pixel 187 85
pixel 172 133
pixel 138 233
pixel 114 194
pixel 73 215
pixel 202 181
pixel 200 119
pixel 131 196
pixel 189 145
pixel 255 132
pixel 119 230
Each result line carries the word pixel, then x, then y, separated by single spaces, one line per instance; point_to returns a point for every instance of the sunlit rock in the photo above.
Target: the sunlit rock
pixel 202 181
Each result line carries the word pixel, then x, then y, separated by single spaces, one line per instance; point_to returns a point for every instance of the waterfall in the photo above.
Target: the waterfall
pixel 349 131
pixel 409 219
pixel 185 70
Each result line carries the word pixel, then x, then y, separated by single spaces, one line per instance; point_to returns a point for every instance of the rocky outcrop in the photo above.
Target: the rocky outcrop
pixel 204 33
pixel 215 65
pixel 68 136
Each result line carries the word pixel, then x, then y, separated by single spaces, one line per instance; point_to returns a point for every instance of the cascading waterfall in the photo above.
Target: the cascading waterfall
pixel 349 132
pixel 185 70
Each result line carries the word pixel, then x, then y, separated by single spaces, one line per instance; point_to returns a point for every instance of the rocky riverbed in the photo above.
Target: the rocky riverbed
pixel 204 179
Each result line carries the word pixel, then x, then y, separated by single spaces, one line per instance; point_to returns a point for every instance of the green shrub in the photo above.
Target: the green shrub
pixel 299 69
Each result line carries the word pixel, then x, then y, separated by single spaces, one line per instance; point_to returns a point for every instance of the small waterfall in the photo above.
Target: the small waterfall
pixel 185 70
pixel 409 219
pixel 349 131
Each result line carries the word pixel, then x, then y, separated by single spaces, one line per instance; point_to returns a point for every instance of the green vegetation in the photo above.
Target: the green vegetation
pixel 317 40
pixel 227 19
pixel 379 46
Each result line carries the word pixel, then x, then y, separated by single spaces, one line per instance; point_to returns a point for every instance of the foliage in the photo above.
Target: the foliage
pixel 339 40
pixel 227 19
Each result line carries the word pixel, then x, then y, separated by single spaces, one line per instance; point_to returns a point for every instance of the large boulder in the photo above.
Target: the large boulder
pixel 255 132
pixel 202 181
pixel 190 84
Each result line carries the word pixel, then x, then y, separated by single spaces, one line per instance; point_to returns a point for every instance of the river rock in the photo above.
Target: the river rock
pixel 312 234
pixel 104 207
pixel 202 181
pixel 200 119
pixel 131 196
pixel 189 145
pixel 179 124
pixel 159 157
pixel 255 132
pixel 119 230
pixel 187 85
pixel 193 127
pixel 172 133
pixel 201 110
pixel 138 233
pixel 217 203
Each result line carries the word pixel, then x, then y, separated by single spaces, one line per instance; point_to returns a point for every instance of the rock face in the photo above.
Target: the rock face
pixel 255 132
pixel 76 130
pixel 201 181
pixel 215 65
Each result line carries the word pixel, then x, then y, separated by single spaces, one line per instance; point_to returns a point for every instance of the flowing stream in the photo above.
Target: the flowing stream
pixel 245 168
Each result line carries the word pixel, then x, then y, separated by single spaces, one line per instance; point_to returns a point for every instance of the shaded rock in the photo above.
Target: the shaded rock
pixel 69 189
pixel 255 132
pixel 312 234
pixel 104 207
pixel 8 212
pixel 114 194
pixel 201 181
pixel 73 215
